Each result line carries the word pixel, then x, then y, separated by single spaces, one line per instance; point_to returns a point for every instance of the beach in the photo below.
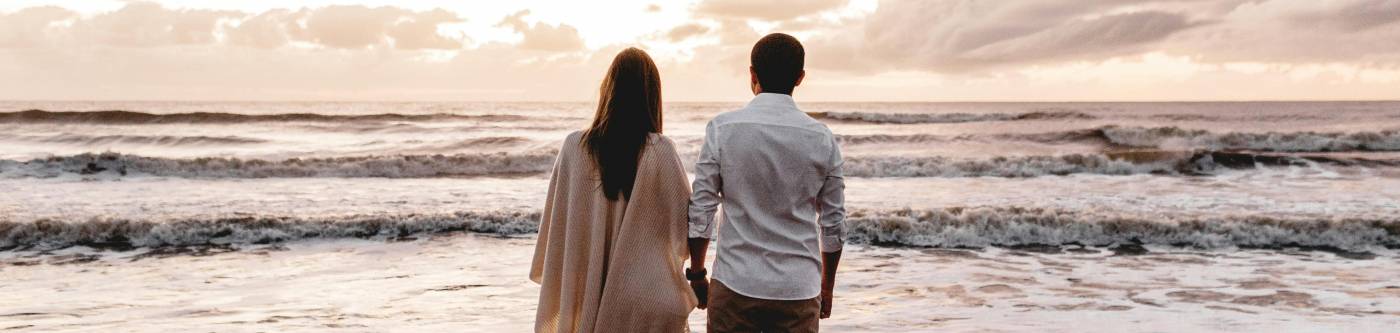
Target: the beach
pixel 965 217
pixel 469 282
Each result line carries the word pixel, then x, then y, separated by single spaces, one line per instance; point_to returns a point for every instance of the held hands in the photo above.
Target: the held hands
pixel 826 303
pixel 700 285
pixel 701 288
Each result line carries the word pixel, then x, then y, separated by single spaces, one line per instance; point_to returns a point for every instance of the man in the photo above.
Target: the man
pixel 778 173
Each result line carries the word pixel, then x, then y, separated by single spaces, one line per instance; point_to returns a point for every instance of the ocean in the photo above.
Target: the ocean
pixel 1279 216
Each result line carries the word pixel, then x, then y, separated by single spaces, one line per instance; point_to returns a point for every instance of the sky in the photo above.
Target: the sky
pixel 558 50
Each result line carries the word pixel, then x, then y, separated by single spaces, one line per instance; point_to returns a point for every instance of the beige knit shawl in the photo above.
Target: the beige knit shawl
pixel 613 266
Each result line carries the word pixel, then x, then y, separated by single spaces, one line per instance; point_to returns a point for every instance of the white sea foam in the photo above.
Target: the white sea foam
pixel 163 140
pixel 398 166
pixel 136 118
pixel 1175 137
pixel 1168 138
pixel 948 227
pixel 124 232
pixel 1015 166
pixel 1007 226
pixel 946 118
pixel 113 165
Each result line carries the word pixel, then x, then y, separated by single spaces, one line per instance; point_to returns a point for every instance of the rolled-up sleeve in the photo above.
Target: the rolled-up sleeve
pixel 706 188
pixel 832 199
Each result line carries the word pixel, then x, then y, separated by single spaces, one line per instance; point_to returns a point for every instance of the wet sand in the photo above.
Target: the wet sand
pixel 476 283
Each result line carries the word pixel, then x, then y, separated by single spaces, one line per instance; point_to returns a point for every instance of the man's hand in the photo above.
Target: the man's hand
pixel 826 304
pixel 700 284
pixel 830 260
pixel 701 288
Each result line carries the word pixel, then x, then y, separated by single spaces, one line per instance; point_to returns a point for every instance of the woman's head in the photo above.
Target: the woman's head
pixel 629 109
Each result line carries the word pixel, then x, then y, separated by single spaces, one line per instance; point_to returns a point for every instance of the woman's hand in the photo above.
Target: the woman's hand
pixel 701 287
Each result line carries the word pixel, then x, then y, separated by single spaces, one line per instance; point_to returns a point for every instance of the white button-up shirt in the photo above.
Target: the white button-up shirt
pixel 778 173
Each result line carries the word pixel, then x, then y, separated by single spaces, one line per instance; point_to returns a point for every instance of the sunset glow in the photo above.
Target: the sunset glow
pixel 858 50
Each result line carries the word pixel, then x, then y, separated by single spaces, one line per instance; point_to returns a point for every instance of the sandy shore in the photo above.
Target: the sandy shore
pixel 476 283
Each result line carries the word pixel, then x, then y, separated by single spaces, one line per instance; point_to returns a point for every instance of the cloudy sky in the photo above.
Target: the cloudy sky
pixel 858 50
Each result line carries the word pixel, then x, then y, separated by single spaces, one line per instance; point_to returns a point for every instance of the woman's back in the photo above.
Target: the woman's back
pixel 613 265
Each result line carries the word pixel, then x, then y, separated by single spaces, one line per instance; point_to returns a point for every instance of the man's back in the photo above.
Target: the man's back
pixel 775 170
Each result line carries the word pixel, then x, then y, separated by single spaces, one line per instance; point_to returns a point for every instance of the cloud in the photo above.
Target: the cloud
pixel 1107 34
pixel 686 31
pixel 1296 31
pixel 973 37
pixel 30 26
pixel 144 24
pixel 542 36
pixel 1341 15
pixel 772 10
pixel 351 27
pixel 898 50
pixel 267 30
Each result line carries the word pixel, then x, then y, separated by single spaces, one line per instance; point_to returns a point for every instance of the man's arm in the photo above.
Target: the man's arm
pixel 703 201
pixel 833 224
pixel 829 262
pixel 700 285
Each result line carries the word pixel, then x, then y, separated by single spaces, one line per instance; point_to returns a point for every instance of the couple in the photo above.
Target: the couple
pixel 620 221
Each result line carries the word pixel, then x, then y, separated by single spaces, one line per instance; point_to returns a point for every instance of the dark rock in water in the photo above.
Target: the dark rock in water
pixel 115 243
pixel 1080 250
pixel 194 251
pixel 1128 250
pixel 1354 255
pixel 949 253
pixel 1038 248
pixel 74 259
pixel 91 168
pixel 457 287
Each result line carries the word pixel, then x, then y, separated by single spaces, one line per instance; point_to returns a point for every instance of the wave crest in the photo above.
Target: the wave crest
pixel 125 232
pixel 163 140
pixel 1011 226
pixel 946 227
pixel 1170 138
pixel 131 117
pixel 1175 137
pixel 400 166
pixel 947 118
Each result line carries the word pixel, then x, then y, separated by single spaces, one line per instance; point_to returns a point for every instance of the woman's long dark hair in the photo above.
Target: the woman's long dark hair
pixel 629 109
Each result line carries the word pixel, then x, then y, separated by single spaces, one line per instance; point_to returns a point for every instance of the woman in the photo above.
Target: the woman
pixel 612 236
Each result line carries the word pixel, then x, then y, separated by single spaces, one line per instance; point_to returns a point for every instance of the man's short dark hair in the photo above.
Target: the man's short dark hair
pixel 777 60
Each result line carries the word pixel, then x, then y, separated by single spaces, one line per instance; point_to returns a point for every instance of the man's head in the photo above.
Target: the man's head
pixel 775 66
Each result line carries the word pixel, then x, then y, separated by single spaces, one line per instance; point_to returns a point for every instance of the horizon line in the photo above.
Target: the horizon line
pixel 689 101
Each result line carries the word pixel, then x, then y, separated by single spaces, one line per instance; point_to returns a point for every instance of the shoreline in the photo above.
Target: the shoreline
pixel 472 282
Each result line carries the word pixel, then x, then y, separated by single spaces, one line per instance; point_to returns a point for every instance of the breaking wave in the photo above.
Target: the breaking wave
pixel 1092 135
pixel 1011 226
pixel 118 232
pixel 1171 138
pixel 1175 137
pixel 398 166
pixel 946 118
pixel 1196 163
pixel 164 140
pixel 948 227
pixel 131 117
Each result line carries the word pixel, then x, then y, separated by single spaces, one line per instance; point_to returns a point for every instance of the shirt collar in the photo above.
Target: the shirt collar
pixel 772 100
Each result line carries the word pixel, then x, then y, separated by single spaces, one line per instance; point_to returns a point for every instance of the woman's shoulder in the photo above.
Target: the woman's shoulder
pixel 574 138
pixel 661 140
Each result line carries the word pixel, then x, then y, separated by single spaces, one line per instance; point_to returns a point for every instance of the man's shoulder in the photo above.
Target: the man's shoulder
pixel 728 117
